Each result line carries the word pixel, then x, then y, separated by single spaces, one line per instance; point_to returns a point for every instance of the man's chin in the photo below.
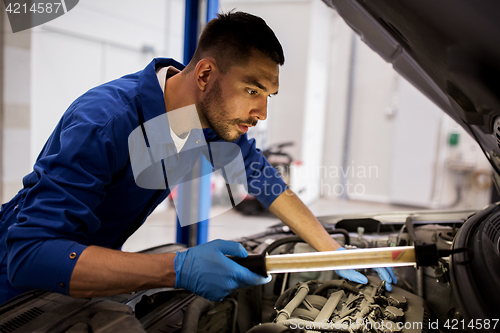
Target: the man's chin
pixel 227 135
pixel 230 137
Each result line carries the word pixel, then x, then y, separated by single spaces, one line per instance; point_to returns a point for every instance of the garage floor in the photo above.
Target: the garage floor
pixel 160 228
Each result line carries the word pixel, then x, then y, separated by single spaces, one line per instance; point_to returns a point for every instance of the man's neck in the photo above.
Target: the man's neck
pixel 178 94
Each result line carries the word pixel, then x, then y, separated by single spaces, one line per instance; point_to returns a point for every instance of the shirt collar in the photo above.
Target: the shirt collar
pixel 165 73
pixel 150 92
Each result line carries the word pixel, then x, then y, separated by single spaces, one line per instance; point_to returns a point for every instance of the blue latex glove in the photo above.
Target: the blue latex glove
pixel 206 271
pixel 385 273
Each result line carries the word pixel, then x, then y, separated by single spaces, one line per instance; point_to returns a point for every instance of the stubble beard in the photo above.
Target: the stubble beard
pixel 217 116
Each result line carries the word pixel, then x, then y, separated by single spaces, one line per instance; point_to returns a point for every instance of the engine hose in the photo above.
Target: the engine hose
pixel 286 312
pixel 288 294
pixel 329 307
pixel 411 230
pixel 336 284
pixel 295 239
pixel 194 311
pixel 283 296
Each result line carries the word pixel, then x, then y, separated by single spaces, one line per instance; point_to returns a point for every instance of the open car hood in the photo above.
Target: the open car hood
pixel 448 49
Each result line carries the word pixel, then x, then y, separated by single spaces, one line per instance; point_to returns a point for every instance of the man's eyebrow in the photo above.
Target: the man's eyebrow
pixel 253 81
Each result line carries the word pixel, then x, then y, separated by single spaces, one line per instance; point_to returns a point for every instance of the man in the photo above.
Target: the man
pixel 63 231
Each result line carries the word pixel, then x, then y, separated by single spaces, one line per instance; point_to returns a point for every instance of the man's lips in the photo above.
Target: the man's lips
pixel 243 128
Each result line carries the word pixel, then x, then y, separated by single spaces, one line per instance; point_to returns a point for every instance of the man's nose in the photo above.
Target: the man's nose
pixel 259 111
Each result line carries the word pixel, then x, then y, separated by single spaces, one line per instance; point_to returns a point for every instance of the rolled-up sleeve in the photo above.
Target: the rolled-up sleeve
pixel 57 214
pixel 264 181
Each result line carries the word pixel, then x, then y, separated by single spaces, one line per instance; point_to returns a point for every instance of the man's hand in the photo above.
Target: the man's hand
pixel 385 273
pixel 292 211
pixel 206 271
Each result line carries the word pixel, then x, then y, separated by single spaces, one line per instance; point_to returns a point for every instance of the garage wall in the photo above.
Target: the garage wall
pixel 16 118
pixel 47 67
pixel 372 130
pixel 336 119
pixel 416 143
pixel 464 163
pixel 315 106
pixel 396 147
pixel 297 114
pixel 92 44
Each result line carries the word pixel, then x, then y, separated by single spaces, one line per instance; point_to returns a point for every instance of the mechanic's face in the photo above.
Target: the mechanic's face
pixel 238 99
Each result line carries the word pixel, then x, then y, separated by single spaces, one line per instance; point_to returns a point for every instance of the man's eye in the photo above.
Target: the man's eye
pixel 251 92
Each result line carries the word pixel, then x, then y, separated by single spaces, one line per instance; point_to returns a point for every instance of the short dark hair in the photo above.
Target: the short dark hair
pixel 232 37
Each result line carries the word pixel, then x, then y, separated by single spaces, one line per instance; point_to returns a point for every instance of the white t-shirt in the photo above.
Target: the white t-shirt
pixel 163 74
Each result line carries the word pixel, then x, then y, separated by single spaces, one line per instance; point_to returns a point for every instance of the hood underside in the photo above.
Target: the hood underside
pixel 448 49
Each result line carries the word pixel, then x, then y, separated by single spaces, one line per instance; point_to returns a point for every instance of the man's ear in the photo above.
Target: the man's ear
pixel 206 71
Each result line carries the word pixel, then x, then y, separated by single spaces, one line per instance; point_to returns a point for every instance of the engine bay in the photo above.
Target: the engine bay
pixel 427 299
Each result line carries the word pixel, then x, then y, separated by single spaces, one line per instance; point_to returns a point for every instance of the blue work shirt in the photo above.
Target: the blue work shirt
pixel 82 190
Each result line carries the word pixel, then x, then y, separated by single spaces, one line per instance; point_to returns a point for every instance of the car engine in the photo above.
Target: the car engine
pixel 449 297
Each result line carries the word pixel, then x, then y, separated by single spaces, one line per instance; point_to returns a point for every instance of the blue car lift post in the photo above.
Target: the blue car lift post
pixel 194 198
